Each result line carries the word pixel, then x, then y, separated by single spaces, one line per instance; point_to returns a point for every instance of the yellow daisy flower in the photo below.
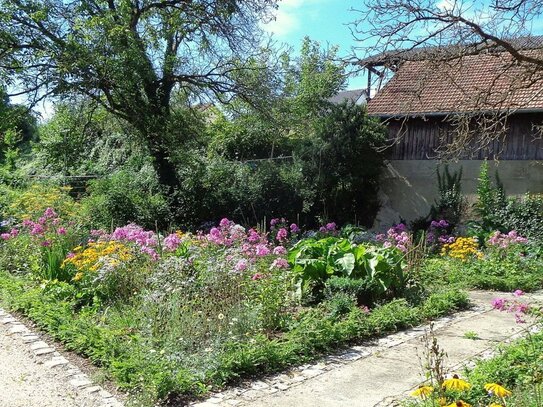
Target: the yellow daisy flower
pixel 495 405
pixel 455 383
pixel 459 403
pixel 497 389
pixel 422 391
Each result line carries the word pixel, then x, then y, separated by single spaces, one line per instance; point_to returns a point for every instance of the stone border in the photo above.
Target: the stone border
pixel 48 356
pixel 251 390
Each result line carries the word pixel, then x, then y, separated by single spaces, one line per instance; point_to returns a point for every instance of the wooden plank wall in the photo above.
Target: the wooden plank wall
pixel 421 139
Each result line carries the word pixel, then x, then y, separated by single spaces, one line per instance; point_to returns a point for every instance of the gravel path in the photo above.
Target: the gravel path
pixel 34 374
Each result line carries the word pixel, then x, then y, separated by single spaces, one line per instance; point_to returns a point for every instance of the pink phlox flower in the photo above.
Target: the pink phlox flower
pixel 280 263
pixel 172 242
pixel 224 223
pixel 282 234
pixel 253 237
pixel 331 226
pixel 61 231
pixel 46 243
pixel 50 213
pixel 37 230
pixel 262 250
pixel 257 276
pixel 97 232
pixel 322 229
pixel 241 265
pixel 499 303
pixel 5 236
pixel 150 252
pixel 27 223
pixel 70 255
pixel 279 250
pixel 518 293
pixel 294 228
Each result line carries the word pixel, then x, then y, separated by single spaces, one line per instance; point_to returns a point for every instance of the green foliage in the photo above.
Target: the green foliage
pixel 523 214
pixel 490 199
pixel 450 204
pixel 125 197
pixel 315 261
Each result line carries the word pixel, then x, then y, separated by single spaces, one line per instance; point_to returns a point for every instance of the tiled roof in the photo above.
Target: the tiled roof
pixel 484 82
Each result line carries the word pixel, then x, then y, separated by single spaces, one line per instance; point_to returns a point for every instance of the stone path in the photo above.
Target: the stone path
pixel 35 374
pixel 379 373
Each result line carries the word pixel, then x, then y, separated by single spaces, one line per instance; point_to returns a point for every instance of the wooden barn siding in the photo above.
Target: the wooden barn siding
pixel 421 140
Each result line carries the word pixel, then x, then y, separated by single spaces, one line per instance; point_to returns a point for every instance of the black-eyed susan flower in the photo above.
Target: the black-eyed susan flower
pixel 495 405
pixel 456 383
pixel 459 403
pixel 497 390
pixel 423 391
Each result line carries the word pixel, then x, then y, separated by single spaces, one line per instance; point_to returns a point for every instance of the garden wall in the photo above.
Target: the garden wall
pixel 409 187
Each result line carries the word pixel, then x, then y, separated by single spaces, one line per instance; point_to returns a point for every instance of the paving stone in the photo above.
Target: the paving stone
pixel 43 351
pixel 39 345
pixel 259 385
pixel 30 338
pixel 17 329
pixel 8 320
pixel 80 382
pixel 281 386
pixel 93 389
pixel 214 400
pixel 105 394
pixel 56 361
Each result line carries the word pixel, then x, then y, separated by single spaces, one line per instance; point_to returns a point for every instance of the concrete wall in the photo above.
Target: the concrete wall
pixel 409 187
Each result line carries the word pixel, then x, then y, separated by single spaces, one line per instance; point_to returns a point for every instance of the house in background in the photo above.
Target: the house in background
pixel 481 106
pixel 356 96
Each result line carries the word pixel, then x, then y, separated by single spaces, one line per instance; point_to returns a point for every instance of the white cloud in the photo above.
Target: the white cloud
pixel 289 16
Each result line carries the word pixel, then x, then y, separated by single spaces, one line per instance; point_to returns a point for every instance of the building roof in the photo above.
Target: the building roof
pixel 393 57
pixel 482 82
pixel 357 96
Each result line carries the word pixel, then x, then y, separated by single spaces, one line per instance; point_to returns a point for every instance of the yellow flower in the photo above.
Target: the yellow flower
pixel 497 389
pixel 423 391
pixel 78 276
pixel 459 403
pixel 455 383
pixel 495 405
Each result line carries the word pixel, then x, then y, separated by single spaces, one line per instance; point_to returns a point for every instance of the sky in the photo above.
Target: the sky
pixel 325 21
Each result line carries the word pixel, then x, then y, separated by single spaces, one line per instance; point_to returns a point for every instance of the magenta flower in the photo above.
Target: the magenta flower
pixel 518 293
pixel 262 250
pixel 499 303
pixel 257 276
pixel 280 263
pixel 294 228
pixel 172 242
pixel 46 243
pixel 331 226
pixel 279 250
pixel 282 234
pixel 37 229
pixel 241 265
pixel 70 255
pixel 253 237
pixel 224 223
pixel 5 236
pixel 50 213
pixel 61 231
pixel 14 232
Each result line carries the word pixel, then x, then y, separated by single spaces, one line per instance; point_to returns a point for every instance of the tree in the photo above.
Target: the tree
pixel 133 57
pixel 444 35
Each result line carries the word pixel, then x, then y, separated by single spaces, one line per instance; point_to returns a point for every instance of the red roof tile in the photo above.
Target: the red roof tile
pixel 484 82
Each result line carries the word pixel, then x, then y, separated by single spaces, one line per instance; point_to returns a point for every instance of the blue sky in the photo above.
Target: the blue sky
pixel 322 20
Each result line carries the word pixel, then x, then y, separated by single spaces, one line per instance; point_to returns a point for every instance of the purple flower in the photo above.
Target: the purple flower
pixel 224 223
pixel 150 252
pixel 518 293
pixel 257 276
pixel 97 232
pixel 14 232
pixel 50 213
pixel 61 231
pixel 172 242
pixel 331 226
pixel 262 250
pixel 280 263
pixel 46 243
pixel 70 255
pixel 241 265
pixel 279 250
pixel 499 303
pixel 253 237
pixel 274 222
pixel 322 229
pixel 294 228
pixel 37 229
pixel 5 236
pixel 282 234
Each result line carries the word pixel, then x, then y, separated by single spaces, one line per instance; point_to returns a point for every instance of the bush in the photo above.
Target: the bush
pixel 125 197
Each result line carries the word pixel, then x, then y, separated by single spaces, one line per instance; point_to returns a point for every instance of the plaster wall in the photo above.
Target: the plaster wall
pixel 409 187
